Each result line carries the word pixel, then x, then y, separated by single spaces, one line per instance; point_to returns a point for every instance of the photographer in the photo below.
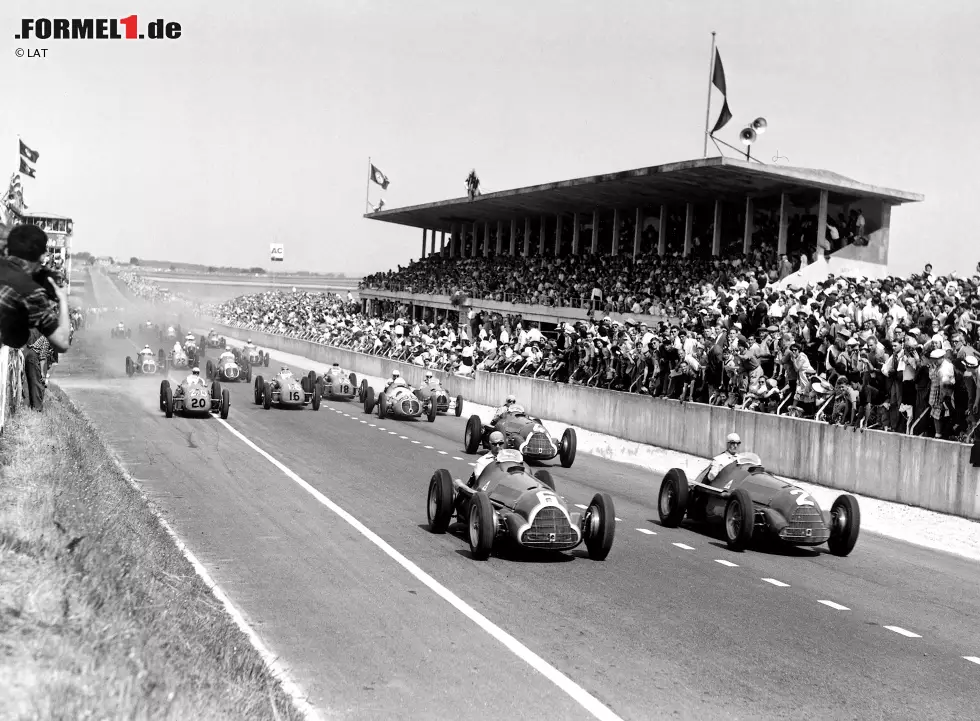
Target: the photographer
pixel 30 298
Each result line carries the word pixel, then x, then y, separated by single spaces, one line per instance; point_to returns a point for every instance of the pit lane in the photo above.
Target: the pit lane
pixel 656 629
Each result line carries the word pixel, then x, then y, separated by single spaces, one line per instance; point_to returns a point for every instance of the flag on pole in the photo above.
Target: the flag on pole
pixel 718 80
pixel 378 177
pixel 26 169
pixel 31 155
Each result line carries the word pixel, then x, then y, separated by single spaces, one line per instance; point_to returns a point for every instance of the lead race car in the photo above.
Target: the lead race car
pixel 397 401
pixel 213 340
pixel 120 331
pixel 226 368
pixel 250 355
pixel 749 502
pixel 194 398
pixel 523 433
pixel 286 391
pixel 149 365
pixel 509 502
pixel 434 390
pixel 337 384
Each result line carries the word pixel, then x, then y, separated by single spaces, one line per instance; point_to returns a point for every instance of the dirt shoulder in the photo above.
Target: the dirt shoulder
pixel 101 616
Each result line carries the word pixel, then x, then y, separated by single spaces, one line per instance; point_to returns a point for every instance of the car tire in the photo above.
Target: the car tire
pixel 316 396
pixel 459 406
pixel 845 525
pixel 433 411
pixel 480 526
pixel 362 391
pixel 209 371
pixel 168 402
pixel 353 380
pixel 257 389
pixel 215 391
pixel 599 526
pixel 367 393
pixel 265 361
pixel 440 501
pixel 164 385
pixel 225 404
pixel 567 448
pixel 739 520
pixel 129 367
pixel 267 395
pixel 304 383
pixel 544 476
pixel 311 381
pixel 473 434
pixel 382 406
pixel 672 499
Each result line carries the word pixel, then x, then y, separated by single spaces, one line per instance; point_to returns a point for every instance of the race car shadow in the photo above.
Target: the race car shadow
pixel 507 551
pixel 772 547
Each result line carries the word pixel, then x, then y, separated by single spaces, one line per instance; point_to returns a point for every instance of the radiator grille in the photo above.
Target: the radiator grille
pixel 807 526
pixel 411 406
pixel 550 529
pixel 538 444
pixel 231 372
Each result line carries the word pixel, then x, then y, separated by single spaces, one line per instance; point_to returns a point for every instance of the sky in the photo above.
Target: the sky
pixel 256 125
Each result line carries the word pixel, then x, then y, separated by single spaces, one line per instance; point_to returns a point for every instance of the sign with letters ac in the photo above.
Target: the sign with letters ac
pixel 275 249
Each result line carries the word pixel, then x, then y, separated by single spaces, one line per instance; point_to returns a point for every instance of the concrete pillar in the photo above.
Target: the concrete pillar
pixel 475 235
pixel 595 232
pixel 486 240
pixel 716 236
pixel 783 235
pixel 821 221
pixel 557 235
pixel 500 237
pixel 453 239
pixel 442 241
pixel 527 237
pixel 749 226
pixel 513 237
pixel 638 233
pixel 541 231
pixel 576 231
pixel 422 257
pixel 884 232
pixel 615 239
pixel 662 240
pixel 688 228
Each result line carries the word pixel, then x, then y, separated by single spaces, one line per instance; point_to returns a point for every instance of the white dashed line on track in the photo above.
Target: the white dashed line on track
pixel 363 421
pixel 647 531
pixel 429 448
pixel 417 442
pixel 373 425
pixel 723 562
pixel 473 464
pixel 835 606
pixel 457 458
pixel 443 453
pixel 404 438
pixel 774 582
pixel 392 433
pixel 684 546
pixel 973 659
pixel 902 632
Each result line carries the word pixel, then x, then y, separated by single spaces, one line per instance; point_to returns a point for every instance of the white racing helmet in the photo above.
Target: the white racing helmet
pixel 196 371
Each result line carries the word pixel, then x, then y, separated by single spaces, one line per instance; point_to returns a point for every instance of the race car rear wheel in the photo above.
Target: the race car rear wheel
pixel 382 405
pixel 259 385
pixel 845 525
pixel 353 380
pixel 164 385
pixel 362 391
pixel 459 406
pixel 168 402
pixel 599 526
pixel 265 360
pixel 433 411
pixel 440 505
pixel 567 447
pixel 481 526
pixel 209 370
pixel 473 434
pixel 304 383
pixel 129 367
pixel 316 396
pixel 545 477
pixel 672 502
pixel 267 395
pixel 225 403
pixel 311 381
pixel 367 393
pixel 215 390
pixel 739 520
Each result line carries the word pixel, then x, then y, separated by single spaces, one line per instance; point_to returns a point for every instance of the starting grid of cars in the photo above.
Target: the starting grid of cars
pixel 509 501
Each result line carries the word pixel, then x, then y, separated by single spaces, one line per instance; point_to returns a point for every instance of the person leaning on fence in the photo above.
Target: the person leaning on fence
pixel 31 299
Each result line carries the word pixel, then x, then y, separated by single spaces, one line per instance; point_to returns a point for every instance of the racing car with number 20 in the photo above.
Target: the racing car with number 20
pixel 510 503
pixel 749 502
pixel 194 399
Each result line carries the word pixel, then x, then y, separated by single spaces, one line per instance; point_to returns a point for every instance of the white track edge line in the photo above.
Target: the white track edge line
pixel 291 688
pixel 973 659
pixel 572 689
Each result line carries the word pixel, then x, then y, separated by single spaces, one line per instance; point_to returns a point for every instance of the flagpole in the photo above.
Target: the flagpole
pixel 367 188
pixel 707 112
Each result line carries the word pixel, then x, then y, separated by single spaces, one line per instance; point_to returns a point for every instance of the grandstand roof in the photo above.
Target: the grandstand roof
pixel 696 181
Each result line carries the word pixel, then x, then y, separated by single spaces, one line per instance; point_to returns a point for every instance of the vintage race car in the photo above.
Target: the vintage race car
pixel 338 384
pixel 509 502
pixel 121 331
pixel 523 433
pixel 287 391
pixel 397 402
pixel 213 340
pixel 179 361
pixel 147 366
pixel 147 328
pixel 253 357
pixel 443 402
pixel 749 502
pixel 194 399
pixel 227 369
pixel 170 333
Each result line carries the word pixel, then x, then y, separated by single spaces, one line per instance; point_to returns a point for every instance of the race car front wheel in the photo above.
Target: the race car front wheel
pixel 481 526
pixel 672 502
pixel 440 505
pixel 739 520
pixel 599 526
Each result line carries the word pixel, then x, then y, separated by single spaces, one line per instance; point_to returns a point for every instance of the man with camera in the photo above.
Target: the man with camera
pixel 31 298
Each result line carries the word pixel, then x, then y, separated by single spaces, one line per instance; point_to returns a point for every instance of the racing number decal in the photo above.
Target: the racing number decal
pixel 294 395
pixel 803 499
pixel 197 403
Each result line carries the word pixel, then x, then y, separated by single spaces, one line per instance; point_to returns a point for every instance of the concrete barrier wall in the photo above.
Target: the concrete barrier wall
pixel 922 472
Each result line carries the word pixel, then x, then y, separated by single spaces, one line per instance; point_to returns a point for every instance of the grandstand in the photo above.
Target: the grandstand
pixel 699 209
pixel 60 230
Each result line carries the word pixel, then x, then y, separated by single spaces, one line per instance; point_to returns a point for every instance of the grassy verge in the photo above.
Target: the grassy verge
pixel 101 616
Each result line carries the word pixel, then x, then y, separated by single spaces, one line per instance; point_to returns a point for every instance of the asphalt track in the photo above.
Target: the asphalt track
pixel 657 630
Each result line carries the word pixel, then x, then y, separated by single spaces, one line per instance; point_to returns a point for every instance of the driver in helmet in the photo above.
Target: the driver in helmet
pixel 284 372
pixel 719 462
pixel 227 355
pixel 189 339
pixel 146 353
pixel 194 379
pixel 497 443
pixel 249 345
pixel 396 380
pixel 509 406
pixel 178 351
